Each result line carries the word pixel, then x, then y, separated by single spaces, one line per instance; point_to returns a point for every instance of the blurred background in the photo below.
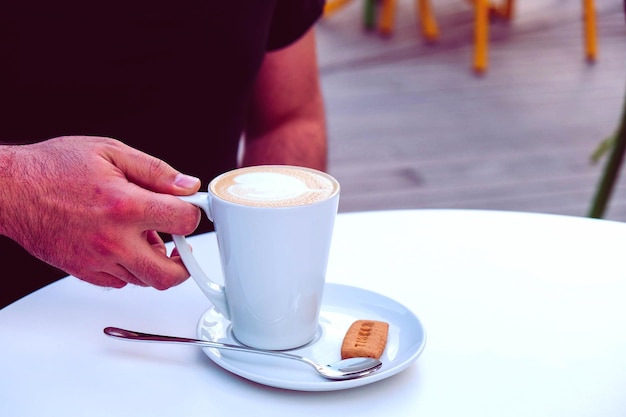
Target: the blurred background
pixel 412 125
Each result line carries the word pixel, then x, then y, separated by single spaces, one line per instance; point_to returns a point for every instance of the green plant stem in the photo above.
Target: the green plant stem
pixel 611 171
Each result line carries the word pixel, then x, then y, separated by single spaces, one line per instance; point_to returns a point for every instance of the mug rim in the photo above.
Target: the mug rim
pixel 332 179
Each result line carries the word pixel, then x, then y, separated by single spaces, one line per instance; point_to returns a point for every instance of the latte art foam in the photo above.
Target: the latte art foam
pixel 274 186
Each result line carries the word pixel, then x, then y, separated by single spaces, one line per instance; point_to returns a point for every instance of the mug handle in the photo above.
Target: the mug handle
pixel 214 292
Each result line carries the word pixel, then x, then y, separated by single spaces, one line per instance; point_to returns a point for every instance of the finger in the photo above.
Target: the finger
pixel 152 173
pixel 103 279
pixel 168 214
pixel 155 241
pixel 139 210
pixel 120 272
pixel 176 254
pixel 153 267
pixel 117 276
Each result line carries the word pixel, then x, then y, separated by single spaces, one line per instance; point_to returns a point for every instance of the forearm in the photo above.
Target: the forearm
pixel 6 167
pixel 12 188
pixel 286 120
pixel 298 140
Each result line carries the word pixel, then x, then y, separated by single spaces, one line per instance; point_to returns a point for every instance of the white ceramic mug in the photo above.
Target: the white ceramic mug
pixel 274 227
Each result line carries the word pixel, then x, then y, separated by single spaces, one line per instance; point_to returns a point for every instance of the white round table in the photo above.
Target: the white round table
pixel 525 315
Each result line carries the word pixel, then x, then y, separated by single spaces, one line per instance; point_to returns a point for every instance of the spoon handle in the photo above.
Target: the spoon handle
pixel 344 369
pixel 147 337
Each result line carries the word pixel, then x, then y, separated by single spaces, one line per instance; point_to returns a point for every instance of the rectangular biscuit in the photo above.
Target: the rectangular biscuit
pixel 365 338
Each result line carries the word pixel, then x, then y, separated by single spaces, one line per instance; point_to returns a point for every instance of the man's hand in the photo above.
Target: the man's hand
pixel 92 207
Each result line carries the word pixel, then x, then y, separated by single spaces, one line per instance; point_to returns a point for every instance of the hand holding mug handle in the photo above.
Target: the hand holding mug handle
pixel 212 290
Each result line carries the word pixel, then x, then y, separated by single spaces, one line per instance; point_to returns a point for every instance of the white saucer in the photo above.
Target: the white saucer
pixel 341 306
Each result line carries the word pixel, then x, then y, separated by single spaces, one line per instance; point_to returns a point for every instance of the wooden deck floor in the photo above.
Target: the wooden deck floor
pixel 411 126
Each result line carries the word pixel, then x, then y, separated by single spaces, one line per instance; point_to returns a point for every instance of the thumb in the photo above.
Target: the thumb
pixel 154 174
pixel 186 184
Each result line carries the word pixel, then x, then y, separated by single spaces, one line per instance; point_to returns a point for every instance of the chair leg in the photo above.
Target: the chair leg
pixel 426 16
pixel 387 17
pixel 591 37
pixel 509 5
pixel 332 6
pixel 503 9
pixel 481 35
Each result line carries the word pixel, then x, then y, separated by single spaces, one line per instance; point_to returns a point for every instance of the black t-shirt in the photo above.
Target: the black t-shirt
pixel 172 79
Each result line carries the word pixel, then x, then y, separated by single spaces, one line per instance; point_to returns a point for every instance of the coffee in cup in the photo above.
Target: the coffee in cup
pixel 274 186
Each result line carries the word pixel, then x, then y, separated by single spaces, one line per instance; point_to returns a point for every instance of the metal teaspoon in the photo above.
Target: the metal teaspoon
pixel 344 369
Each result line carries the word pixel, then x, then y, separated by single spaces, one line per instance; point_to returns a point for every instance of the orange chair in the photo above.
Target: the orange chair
pixel 425 17
pixel 591 34
pixel 483 11
pixel 386 19
pixel 332 6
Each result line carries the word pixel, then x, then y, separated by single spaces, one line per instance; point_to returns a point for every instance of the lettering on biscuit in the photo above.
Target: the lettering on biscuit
pixel 365 338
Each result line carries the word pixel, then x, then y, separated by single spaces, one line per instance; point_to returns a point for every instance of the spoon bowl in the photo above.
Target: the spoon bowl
pixel 344 369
